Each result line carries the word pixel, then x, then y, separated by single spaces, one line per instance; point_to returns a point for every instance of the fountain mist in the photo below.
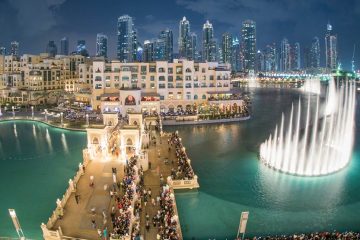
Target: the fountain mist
pixel 321 148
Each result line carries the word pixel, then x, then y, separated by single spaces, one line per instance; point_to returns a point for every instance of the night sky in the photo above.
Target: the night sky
pixel 34 22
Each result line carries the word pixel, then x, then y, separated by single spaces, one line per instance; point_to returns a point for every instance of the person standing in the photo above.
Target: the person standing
pixel 77 198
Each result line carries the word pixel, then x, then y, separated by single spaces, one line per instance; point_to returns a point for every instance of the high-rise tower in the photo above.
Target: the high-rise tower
pixel 248 37
pixel 101 45
pixel 127 39
pixel 209 45
pixel 330 48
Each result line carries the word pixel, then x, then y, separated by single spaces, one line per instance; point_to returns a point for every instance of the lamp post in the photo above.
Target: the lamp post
pixel 87 119
pixel 16 224
pixel 32 112
pixel 13 111
pixel 62 119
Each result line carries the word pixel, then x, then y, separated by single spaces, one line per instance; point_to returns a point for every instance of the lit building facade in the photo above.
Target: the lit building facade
pixel 315 53
pixel 285 56
pixel 226 45
pixel 209 45
pixel 127 39
pixel 166 36
pixel 158 86
pixel 14 49
pixel 64 46
pixel 184 39
pixel 296 57
pixel 51 49
pixel 330 48
pixel 101 45
pixel 248 37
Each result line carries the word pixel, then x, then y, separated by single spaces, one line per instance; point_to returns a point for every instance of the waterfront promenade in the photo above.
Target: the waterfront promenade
pixel 92 202
pixel 162 161
pixel 87 211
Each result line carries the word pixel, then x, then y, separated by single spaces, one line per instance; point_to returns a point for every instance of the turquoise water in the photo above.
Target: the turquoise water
pixel 36 165
pixel 232 180
pixel 36 162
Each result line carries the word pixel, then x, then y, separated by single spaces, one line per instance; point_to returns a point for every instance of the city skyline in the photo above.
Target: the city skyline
pixel 149 24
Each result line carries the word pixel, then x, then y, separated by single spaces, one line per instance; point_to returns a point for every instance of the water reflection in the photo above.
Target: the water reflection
pixel 64 143
pixel 48 140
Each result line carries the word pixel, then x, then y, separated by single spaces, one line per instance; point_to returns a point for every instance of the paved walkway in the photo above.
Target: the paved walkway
pixel 152 179
pixel 77 217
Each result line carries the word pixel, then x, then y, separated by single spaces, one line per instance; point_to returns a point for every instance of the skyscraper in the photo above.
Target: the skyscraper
pixel 148 51
pixel 159 53
pixel 315 53
pixel 248 37
pixel 101 45
pixel 64 46
pixel 330 48
pixel 285 56
pixel 167 37
pixel 14 50
pixel 270 58
pixel 2 51
pixel 127 39
pixel 227 44
pixel 235 55
pixel 193 47
pixel 81 48
pixel 209 45
pixel 51 49
pixel 295 57
pixel 184 39
pixel 260 61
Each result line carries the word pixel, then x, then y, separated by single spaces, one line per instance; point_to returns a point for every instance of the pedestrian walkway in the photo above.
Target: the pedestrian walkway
pixel 92 202
pixel 162 161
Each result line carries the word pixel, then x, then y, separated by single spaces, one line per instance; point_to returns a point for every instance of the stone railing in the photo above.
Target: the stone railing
pixel 60 204
pixel 178 226
pixel 183 184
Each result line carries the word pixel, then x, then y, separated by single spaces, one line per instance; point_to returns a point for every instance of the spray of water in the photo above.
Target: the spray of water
pixel 325 144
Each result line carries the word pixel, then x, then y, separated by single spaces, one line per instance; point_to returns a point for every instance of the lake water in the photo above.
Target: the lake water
pixel 232 180
pixel 36 162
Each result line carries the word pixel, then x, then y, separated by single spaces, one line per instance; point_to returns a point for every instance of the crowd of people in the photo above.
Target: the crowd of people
pixel 166 220
pixel 184 170
pixel 129 205
pixel 335 235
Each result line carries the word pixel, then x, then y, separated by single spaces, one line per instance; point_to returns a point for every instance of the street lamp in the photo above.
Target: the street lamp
pixel 13 111
pixel 16 224
pixel 61 116
pixel 32 112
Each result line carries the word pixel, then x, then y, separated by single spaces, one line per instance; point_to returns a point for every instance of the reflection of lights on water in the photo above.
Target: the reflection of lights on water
pixel 64 143
pixel 48 140
pixel 34 130
pixel 15 131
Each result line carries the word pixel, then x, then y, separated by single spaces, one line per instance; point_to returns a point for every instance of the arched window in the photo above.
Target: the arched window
pixel 203 96
pixel 195 97
pixel 95 140
pixel 188 70
pixel 130 100
pixel 129 142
